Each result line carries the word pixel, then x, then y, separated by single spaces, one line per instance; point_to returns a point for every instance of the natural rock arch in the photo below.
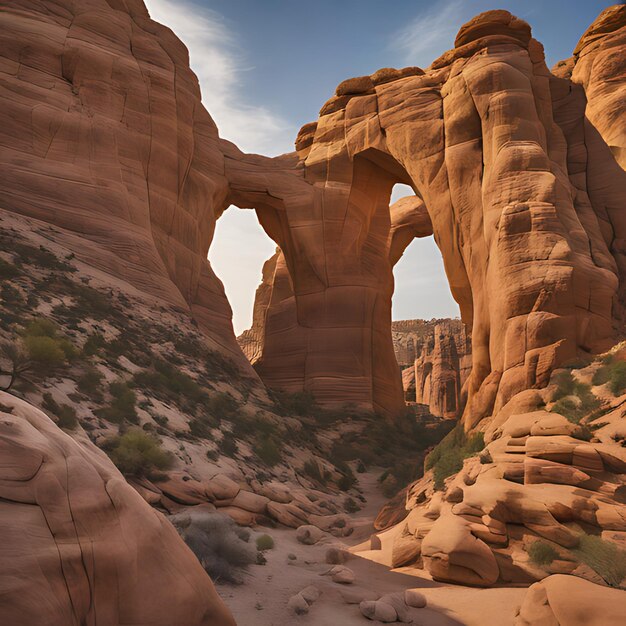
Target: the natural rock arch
pixel 489 142
pixel 518 169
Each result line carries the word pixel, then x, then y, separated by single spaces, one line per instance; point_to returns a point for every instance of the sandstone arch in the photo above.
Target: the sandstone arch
pixel 519 170
pixel 487 138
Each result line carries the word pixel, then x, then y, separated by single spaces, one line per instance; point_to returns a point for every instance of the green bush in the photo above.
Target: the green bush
pixel 8 270
pixel 44 351
pixel 65 414
pixel 447 457
pixel 122 406
pixel 93 344
pixel 268 451
pixel 45 345
pixel 228 445
pixel 542 553
pixel 617 383
pixel 348 479
pixel 351 506
pixel 573 410
pixel 138 454
pixel 264 542
pixel 90 382
pixel 607 559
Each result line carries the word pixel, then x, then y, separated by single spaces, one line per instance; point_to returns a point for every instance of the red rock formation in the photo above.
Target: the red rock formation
pixel 570 601
pixel 102 124
pixel 79 545
pixel 530 231
pixel 105 129
pixel 279 345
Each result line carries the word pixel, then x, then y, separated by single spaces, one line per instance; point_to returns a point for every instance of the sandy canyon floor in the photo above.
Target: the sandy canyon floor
pixel 262 599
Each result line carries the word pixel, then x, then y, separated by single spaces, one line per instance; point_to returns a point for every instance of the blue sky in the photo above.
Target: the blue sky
pixel 266 67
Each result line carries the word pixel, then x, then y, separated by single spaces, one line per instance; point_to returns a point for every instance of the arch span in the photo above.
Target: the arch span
pixel 488 143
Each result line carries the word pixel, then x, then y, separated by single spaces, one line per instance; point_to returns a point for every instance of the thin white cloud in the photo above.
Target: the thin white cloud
pixel 430 33
pixel 219 62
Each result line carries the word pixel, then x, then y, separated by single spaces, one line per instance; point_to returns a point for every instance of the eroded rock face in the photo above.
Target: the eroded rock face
pixel 492 143
pixel 79 545
pixel 570 601
pixel 441 370
pixel 540 478
pixel 102 124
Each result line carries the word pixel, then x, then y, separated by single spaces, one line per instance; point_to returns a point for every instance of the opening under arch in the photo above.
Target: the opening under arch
pixel 240 247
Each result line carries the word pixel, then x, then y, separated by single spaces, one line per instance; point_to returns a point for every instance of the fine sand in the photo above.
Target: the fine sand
pixel 262 599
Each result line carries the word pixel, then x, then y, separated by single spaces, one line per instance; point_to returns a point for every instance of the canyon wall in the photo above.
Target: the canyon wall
pixel 105 143
pixel 437 361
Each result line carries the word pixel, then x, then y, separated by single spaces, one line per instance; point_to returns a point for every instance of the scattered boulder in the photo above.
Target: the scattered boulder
pixel 310 594
pixel 336 556
pixel 309 535
pixel 220 487
pixel 415 598
pixel 298 604
pixel 342 574
pixel 571 601
pixel 378 610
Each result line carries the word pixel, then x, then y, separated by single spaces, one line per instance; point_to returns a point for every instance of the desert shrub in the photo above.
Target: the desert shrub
pixel 90 382
pixel 347 479
pixel 573 399
pixel 607 559
pixel 138 454
pixel 542 553
pixel 45 344
pixel 39 256
pixel 94 343
pixel 228 445
pixel 301 403
pixel 169 383
pixel 601 376
pixel 264 542
pixel 268 450
pixel 212 454
pixel 8 270
pixel 617 381
pixel 314 470
pixel 65 414
pixel 215 540
pixel 565 385
pixel 123 405
pixel 447 457
pixel 351 506
pixel 400 474
pixel 223 405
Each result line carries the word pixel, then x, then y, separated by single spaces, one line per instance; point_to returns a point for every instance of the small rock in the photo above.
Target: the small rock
pixel 342 574
pixel 309 535
pixel 310 594
pixel 415 598
pixel 291 556
pixel 298 604
pixel 378 610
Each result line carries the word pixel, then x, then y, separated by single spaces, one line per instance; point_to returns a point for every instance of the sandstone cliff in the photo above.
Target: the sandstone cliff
pixel 78 543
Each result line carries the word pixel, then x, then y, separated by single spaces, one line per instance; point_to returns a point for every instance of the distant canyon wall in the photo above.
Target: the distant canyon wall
pixel 516 170
pixel 436 361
